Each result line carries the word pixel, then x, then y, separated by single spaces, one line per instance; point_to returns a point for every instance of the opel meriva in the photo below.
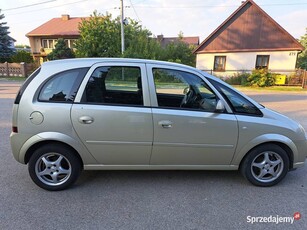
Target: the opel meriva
pixel 129 114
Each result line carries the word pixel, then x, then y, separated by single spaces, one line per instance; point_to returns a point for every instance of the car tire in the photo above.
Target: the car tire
pixel 54 167
pixel 265 165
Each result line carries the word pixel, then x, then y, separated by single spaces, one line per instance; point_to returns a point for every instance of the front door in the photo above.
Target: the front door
pixel 187 128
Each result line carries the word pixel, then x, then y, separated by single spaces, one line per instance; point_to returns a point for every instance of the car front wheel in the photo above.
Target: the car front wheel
pixel 54 167
pixel 265 165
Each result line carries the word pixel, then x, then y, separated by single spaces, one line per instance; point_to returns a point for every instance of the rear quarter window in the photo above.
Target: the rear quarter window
pixel 25 85
pixel 63 86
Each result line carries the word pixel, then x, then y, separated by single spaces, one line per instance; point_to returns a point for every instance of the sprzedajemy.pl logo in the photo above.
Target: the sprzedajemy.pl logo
pixel 273 219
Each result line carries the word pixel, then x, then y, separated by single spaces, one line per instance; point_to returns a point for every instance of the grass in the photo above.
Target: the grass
pixel 272 88
pixel 12 78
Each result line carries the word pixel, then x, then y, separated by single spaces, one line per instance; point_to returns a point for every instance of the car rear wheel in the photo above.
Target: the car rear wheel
pixel 54 167
pixel 265 165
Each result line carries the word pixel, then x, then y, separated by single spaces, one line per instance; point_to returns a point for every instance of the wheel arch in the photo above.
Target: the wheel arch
pixel 37 145
pixel 282 141
pixel 281 145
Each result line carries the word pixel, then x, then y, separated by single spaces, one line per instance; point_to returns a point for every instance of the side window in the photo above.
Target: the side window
pixel 62 87
pixel 239 104
pixel 179 89
pixel 115 85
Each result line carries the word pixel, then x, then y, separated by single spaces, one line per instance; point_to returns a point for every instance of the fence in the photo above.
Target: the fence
pixel 296 77
pixel 16 69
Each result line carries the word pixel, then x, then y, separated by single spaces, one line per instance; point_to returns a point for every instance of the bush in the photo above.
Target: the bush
pixel 261 78
pixel 238 79
pixel 21 56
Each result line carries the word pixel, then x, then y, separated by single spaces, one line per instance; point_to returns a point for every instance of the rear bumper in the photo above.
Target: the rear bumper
pixel 300 159
pixel 17 142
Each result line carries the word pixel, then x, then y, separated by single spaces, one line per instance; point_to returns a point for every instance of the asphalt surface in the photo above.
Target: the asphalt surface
pixel 150 199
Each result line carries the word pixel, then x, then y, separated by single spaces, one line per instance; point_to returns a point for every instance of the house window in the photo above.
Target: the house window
pixel 70 43
pixel 262 61
pixel 49 43
pixel 219 63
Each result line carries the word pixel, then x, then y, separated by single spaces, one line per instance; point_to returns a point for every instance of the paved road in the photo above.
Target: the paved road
pixel 151 199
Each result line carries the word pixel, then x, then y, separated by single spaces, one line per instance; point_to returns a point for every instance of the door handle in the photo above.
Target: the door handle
pixel 86 120
pixel 166 124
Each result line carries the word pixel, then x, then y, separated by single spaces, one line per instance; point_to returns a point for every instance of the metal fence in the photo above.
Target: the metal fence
pixel 16 69
pixel 296 77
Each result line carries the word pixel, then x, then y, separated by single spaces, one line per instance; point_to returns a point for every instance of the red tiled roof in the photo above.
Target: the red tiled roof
pixel 58 26
pixel 249 28
pixel 191 40
pixel 166 40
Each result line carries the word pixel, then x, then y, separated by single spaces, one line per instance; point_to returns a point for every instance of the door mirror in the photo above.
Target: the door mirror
pixel 220 107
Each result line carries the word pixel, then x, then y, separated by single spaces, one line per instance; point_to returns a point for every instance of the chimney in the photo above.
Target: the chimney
pixel 65 17
pixel 160 37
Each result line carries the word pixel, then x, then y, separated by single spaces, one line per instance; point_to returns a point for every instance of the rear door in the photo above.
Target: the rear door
pixel 111 117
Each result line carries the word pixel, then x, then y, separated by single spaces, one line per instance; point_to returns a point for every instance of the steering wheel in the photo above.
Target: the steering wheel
pixel 188 97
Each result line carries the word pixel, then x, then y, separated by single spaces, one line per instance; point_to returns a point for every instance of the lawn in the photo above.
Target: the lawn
pixel 271 88
pixel 12 78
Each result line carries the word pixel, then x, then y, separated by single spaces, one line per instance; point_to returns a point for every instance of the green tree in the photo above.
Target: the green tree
pixel 302 57
pixel 5 41
pixel 21 56
pixel 61 51
pixel 99 37
pixel 180 52
pixel 140 44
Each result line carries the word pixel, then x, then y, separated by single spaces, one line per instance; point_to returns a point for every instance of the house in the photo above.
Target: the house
pixel 43 38
pixel 12 41
pixel 164 41
pixel 248 39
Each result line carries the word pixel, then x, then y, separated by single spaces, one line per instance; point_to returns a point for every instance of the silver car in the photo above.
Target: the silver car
pixel 129 114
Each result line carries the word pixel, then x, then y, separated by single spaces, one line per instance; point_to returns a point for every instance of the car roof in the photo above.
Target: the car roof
pixel 86 62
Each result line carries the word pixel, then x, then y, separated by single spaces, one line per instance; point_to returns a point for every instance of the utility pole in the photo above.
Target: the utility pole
pixel 122 25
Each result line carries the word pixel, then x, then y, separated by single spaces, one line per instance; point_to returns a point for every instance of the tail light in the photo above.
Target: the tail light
pixel 14 129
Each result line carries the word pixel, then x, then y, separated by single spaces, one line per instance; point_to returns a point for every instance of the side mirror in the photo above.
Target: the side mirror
pixel 220 107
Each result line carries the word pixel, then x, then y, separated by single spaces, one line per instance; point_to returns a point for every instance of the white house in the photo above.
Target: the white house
pixel 248 39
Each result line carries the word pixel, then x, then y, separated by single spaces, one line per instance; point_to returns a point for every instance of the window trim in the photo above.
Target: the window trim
pixel 223 69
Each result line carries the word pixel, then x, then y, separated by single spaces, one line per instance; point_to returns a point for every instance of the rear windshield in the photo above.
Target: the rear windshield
pixel 25 85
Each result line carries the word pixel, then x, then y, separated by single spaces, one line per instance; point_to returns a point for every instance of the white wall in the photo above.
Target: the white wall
pixel 279 60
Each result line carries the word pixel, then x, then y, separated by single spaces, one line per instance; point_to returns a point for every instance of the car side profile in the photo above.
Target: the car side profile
pixel 134 114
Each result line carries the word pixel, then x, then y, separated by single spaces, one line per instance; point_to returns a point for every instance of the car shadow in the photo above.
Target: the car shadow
pixel 158 178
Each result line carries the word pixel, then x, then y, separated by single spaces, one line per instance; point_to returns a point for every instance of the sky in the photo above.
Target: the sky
pixel 167 17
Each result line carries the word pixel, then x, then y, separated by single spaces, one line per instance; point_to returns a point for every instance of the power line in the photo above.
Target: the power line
pixel 209 6
pixel 47 8
pixel 134 11
pixel 34 4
